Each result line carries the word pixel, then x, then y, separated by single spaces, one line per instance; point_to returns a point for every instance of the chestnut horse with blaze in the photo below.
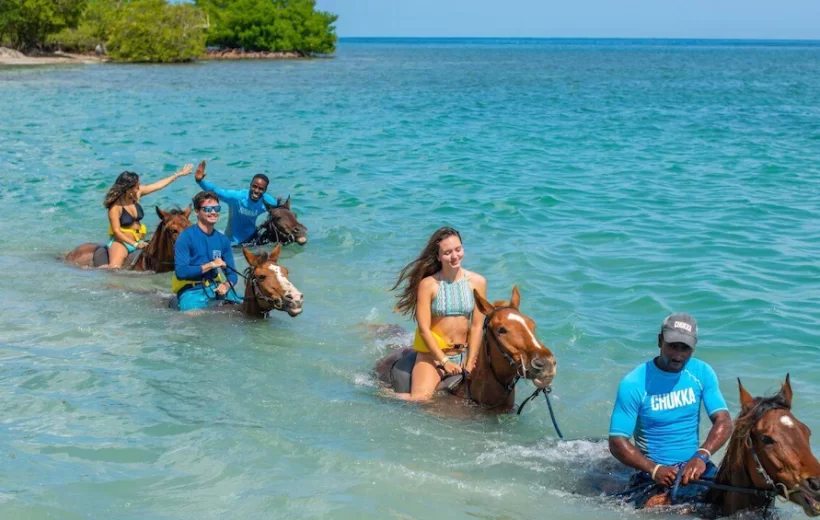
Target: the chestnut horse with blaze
pixel 509 351
pixel 157 256
pixel 769 456
pixel 268 287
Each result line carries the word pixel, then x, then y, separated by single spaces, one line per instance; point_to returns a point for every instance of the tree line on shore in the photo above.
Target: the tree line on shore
pixel 166 32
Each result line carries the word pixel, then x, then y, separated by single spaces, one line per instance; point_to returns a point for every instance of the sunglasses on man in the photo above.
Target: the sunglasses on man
pixel 211 209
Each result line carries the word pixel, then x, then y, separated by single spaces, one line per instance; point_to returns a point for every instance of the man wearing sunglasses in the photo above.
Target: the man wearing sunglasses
pixel 204 270
pixel 245 205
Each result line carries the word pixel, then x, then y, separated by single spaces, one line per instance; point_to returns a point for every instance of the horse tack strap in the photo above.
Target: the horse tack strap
pixel 778 489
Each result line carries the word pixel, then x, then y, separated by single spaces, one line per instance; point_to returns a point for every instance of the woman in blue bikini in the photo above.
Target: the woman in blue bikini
pixel 126 230
pixel 438 294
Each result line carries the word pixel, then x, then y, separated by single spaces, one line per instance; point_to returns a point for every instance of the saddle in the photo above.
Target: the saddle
pixel 402 371
pixel 101 257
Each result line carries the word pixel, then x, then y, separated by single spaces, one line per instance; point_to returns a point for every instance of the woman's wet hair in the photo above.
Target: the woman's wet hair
pixel 427 264
pixel 125 182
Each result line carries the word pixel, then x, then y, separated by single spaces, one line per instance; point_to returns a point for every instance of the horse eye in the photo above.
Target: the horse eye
pixel 261 277
pixel 502 330
pixel 767 440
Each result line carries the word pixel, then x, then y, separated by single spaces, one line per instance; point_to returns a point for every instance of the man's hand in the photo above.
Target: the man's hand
pixel 216 264
pixel 200 172
pixel 665 476
pixel 223 288
pixel 693 470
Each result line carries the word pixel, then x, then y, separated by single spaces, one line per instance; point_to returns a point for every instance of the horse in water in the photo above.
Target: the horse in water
pixel 157 256
pixel 508 352
pixel 281 227
pixel 768 457
pixel 267 287
pixel 769 451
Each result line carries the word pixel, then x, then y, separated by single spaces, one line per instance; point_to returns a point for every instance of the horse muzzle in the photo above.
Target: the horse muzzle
pixel 292 304
pixel 810 496
pixel 543 368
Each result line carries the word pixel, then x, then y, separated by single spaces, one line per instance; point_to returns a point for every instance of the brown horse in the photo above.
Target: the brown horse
pixel 281 227
pixel 508 352
pixel 157 256
pixel 769 451
pixel 267 286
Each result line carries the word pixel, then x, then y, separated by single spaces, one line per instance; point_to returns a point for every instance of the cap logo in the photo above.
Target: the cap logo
pixel 683 325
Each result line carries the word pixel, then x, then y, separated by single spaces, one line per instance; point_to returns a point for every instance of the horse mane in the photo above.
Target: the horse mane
pixel 734 460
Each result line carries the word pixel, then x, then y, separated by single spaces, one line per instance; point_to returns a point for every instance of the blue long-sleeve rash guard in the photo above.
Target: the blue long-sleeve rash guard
pixel 194 248
pixel 244 211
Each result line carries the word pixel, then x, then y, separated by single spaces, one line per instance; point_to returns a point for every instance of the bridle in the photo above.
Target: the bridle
pixel 163 229
pixel 776 489
pixel 490 333
pixel 259 296
pixel 260 236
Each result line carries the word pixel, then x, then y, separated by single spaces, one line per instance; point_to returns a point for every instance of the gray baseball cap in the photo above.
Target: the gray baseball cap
pixel 680 328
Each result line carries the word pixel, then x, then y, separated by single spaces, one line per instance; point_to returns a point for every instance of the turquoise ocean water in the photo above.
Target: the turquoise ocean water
pixel 613 181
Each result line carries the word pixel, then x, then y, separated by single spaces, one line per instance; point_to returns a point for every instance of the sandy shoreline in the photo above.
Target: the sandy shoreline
pixel 11 57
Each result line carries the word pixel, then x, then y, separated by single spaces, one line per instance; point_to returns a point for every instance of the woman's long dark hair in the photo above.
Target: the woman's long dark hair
pixel 427 264
pixel 125 182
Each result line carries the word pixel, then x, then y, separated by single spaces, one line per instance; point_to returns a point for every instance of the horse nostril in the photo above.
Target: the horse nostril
pixel 814 483
pixel 538 363
pixel 289 297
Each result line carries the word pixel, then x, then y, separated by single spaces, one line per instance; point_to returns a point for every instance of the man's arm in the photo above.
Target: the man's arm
pixel 270 199
pixel 226 196
pixel 182 261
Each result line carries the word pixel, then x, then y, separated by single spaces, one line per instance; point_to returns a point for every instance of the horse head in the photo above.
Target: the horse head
pixel 282 225
pixel 158 256
pixel 777 452
pixel 269 283
pixel 174 222
pixel 514 334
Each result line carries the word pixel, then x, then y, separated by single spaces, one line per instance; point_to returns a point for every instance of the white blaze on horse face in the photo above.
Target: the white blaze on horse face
pixel 786 421
pixel 519 319
pixel 288 288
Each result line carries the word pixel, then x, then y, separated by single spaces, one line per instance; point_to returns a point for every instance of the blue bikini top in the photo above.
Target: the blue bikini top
pixel 453 298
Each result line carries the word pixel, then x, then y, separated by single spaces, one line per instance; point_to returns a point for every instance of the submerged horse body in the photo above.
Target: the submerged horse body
pixel 157 256
pixel 509 351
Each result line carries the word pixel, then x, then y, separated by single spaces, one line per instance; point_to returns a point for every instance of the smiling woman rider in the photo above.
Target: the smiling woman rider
pixel 438 294
pixel 125 214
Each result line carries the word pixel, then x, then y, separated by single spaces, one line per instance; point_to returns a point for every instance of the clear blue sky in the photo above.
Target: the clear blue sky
pixel 753 19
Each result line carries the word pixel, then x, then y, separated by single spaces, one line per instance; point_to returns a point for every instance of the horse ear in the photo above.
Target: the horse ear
pixel 287 203
pixel 483 305
pixel 274 255
pixel 187 211
pixel 786 392
pixel 516 297
pixel 268 207
pixel 746 399
pixel 249 256
pixel 162 214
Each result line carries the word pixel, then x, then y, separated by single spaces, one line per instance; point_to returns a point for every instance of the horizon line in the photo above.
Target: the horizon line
pixel 656 38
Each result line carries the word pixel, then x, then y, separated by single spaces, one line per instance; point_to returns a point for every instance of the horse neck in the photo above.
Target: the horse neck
pixel 250 307
pixel 157 256
pixel 735 470
pixel 483 385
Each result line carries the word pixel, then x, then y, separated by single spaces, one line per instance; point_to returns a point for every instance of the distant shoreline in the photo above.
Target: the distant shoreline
pixel 9 57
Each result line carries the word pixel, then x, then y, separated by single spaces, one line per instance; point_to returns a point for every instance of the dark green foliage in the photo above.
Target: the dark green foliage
pixel 155 31
pixel 271 25
pixel 26 24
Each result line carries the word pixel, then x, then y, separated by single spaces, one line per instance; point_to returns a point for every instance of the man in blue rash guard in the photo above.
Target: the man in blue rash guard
pixel 246 205
pixel 199 254
pixel 659 403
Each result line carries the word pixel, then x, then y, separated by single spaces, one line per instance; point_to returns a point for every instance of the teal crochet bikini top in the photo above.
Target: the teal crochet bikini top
pixel 453 298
